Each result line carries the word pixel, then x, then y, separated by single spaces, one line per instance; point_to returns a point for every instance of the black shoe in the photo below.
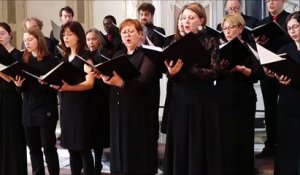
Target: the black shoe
pixel 266 152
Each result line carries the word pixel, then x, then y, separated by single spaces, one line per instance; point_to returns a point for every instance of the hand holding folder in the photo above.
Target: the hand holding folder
pixel 120 64
pixel 235 52
pixel 13 69
pixel 280 64
pixel 63 71
pixel 188 49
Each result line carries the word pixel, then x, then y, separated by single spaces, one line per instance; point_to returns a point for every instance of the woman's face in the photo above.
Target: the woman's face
pixel 70 38
pixel 293 27
pixel 131 37
pixel 92 41
pixel 30 42
pixel 180 25
pixel 231 31
pixel 191 21
pixel 4 36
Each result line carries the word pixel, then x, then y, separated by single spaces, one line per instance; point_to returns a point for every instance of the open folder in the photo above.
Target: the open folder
pixel 271 29
pixel 235 52
pixel 215 33
pixel 12 69
pixel 63 71
pixel 166 39
pixel 121 64
pixel 188 48
pixel 280 64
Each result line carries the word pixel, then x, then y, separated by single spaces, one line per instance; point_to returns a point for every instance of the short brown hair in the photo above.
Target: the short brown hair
pixel 147 7
pixel 37 20
pixel 67 9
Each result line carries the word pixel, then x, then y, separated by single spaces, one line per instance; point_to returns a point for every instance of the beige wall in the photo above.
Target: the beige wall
pixel 46 11
pixel 103 8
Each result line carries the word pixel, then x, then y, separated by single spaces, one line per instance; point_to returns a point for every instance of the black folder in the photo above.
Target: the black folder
pixel 187 48
pixel 166 39
pixel 121 64
pixel 235 52
pixel 5 57
pixel 286 67
pixel 64 71
pixel 18 68
pixel 215 33
pixel 271 29
pixel 13 69
pixel 281 64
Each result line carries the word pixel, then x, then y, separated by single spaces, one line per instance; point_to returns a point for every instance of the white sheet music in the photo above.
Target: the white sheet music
pixel 267 56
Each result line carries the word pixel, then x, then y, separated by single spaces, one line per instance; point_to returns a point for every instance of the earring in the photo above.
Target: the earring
pixel 200 27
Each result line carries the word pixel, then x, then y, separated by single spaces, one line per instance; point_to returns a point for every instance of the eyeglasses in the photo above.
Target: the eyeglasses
pixel 233 9
pixel 293 27
pixel 229 27
pixel 267 1
pixel 129 31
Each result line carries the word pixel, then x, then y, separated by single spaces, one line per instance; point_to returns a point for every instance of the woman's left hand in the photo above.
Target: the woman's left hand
pixel 283 79
pixel 115 80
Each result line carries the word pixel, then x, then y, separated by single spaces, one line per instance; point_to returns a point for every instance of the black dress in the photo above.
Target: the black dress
pixel 75 129
pixel 13 159
pixel 99 112
pixel 288 141
pixel 237 105
pixel 99 108
pixel 134 120
pixel 193 138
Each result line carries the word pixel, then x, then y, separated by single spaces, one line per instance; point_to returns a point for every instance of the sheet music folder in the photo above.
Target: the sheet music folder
pixel 64 71
pixel 164 38
pixel 234 51
pixel 281 64
pixel 188 48
pixel 121 64
pixel 12 70
pixel 271 29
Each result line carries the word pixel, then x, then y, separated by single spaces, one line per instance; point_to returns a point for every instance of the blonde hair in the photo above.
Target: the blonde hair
pixel 234 19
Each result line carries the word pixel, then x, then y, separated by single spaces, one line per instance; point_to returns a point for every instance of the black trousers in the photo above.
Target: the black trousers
pixel 270 90
pixel 38 137
pixel 81 159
